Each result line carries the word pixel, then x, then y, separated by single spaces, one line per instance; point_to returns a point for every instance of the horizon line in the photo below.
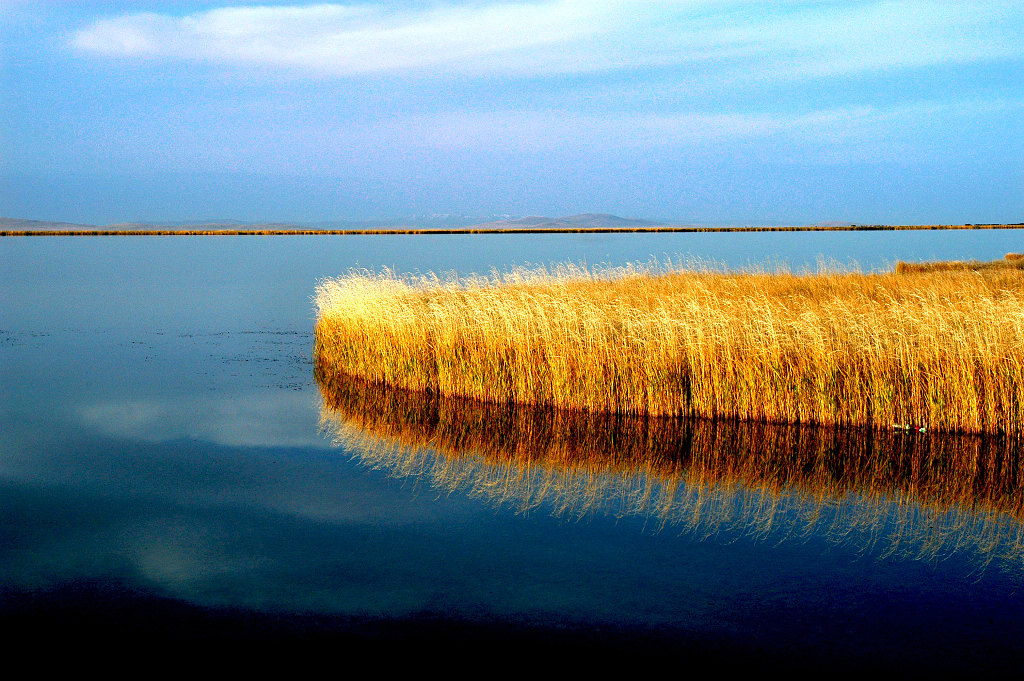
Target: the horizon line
pixel 506 230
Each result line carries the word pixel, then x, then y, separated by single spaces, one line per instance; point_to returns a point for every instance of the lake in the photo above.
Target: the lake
pixel 171 469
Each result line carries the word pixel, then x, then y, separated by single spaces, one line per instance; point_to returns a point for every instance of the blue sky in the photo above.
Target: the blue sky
pixel 688 111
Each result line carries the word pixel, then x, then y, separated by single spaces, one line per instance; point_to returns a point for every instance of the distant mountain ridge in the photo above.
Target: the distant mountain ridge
pixel 17 224
pixel 584 220
pixel 452 224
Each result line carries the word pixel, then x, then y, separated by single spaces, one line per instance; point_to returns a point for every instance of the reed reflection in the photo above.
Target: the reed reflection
pixel 894 493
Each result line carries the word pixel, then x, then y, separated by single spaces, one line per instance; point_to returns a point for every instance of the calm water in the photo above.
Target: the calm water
pixel 164 474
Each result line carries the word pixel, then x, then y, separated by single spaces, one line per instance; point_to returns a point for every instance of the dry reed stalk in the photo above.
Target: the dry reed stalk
pixel 941 349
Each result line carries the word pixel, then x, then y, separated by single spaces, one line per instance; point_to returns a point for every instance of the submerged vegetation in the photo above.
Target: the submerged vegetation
pixel 916 495
pixel 936 347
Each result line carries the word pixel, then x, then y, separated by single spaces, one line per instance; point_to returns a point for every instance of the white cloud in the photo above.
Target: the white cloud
pixel 349 39
pixel 547 130
pixel 784 39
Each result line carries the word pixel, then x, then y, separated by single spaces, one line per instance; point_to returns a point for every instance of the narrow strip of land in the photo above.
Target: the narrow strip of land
pixel 473 230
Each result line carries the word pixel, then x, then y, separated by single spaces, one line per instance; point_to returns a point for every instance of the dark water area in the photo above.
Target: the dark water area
pixel 170 469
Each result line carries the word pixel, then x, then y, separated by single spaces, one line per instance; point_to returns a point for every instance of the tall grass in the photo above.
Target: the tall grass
pixel 939 349
pixel 894 492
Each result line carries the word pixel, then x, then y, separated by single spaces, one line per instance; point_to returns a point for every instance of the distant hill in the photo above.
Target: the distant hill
pixel 18 225
pixel 591 220
pixel 411 222
pixel 586 220
pixel 205 226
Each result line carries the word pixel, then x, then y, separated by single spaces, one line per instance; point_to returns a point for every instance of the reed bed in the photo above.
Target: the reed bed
pixel 1011 261
pixel 940 349
pixel 924 496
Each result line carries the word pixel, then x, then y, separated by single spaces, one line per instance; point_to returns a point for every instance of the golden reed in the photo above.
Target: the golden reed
pixel 937 347
pixel 896 492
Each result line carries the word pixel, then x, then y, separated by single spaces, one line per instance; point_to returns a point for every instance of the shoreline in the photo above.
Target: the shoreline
pixel 470 230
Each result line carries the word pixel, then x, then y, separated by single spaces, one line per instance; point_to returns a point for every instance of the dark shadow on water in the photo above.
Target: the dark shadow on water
pixel 114 622
pixel 891 494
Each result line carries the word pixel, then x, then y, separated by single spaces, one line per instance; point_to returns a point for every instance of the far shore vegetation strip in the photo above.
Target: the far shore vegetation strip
pixel 924 347
pixel 474 230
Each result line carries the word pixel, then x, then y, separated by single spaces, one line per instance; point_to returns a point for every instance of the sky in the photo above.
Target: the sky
pixel 689 111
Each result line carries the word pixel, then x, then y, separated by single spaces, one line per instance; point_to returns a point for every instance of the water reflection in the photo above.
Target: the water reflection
pixel 897 493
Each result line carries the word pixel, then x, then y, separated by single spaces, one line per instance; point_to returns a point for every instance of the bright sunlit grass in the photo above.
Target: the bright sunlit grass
pixel 937 347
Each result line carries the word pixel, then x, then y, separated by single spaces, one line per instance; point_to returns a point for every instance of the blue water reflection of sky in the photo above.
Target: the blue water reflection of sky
pixel 159 431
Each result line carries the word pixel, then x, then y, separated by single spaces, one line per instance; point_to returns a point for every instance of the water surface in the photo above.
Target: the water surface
pixel 164 474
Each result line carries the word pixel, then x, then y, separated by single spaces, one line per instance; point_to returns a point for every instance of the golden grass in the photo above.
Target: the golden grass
pixel 918 495
pixel 1012 260
pixel 938 349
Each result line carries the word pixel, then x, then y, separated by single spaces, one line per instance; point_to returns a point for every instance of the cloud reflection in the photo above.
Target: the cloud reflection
pixel 258 419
